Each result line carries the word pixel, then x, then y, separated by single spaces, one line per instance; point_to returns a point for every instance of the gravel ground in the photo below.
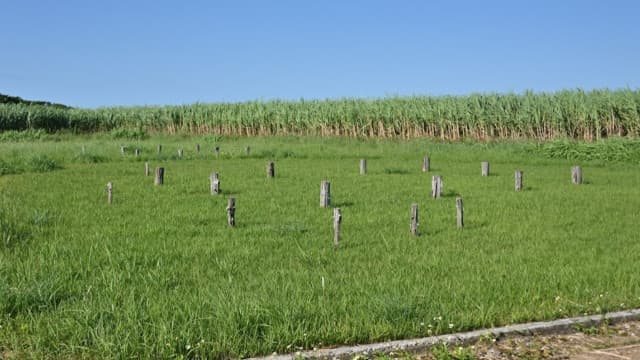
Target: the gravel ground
pixel 603 342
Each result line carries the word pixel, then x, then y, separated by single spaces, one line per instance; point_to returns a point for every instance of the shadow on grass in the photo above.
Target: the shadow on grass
pixel 450 193
pixel 343 204
pixel 395 171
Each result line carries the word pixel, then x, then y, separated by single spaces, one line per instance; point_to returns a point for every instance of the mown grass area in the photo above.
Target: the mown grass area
pixel 160 274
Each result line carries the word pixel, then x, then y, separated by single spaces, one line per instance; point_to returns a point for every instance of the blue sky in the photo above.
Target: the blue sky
pixel 102 53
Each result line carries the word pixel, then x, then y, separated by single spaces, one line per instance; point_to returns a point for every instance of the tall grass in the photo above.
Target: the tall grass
pixel 574 114
pixel 159 274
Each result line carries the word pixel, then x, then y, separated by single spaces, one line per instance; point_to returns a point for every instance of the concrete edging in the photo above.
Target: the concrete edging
pixel 561 326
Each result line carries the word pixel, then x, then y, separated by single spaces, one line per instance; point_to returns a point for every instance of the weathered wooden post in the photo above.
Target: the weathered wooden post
pixel 159 148
pixel 519 180
pixel 216 150
pixel 426 164
pixel 197 148
pixel 123 150
pixel 247 150
pixel 271 170
pixel 363 166
pixel 337 220
pixel 180 153
pixel 231 212
pixel 109 192
pixel 413 225
pixel 146 168
pixel 576 175
pixel 214 183
pixel 325 194
pixel 485 168
pixel 159 180
pixel 136 152
pixel 460 212
pixel 436 186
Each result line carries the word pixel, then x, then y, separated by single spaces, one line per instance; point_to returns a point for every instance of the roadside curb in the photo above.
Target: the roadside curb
pixel 562 326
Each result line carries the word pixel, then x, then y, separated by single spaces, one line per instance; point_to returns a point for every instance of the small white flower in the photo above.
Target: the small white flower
pixel 450 326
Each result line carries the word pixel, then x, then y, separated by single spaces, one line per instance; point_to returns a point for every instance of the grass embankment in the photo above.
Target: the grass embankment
pixel 160 274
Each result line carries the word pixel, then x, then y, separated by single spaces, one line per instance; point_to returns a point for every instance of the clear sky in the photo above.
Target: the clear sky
pixel 100 53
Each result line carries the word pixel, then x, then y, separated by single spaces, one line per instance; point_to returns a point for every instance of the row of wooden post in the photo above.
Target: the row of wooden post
pixel 576 171
pixel 324 202
pixel 325 186
pixel 136 151
pixel 325 193
pixel 436 186
pixel 436 182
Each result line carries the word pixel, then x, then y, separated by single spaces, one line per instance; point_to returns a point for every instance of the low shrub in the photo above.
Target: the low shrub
pixel 42 163
pixel 26 135
pixel 129 133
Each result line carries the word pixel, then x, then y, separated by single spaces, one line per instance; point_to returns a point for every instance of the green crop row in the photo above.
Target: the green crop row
pixel 571 113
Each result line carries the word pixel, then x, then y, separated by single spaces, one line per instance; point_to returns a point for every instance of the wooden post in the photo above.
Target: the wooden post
pixel 215 183
pixel 426 164
pixel 180 153
pixel 109 192
pixel 247 150
pixel 576 175
pixel 146 168
pixel 325 194
pixel 337 220
pixel 197 148
pixel 159 148
pixel 271 170
pixel 159 180
pixel 231 212
pixel 137 152
pixel 518 180
pixel 363 166
pixel 123 149
pixel 216 150
pixel 460 212
pixel 413 225
pixel 485 168
pixel 436 186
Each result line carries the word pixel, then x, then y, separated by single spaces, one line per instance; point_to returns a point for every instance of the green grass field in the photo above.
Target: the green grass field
pixel 159 274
